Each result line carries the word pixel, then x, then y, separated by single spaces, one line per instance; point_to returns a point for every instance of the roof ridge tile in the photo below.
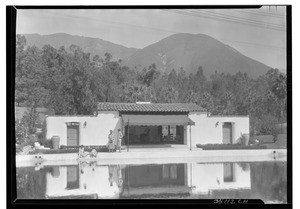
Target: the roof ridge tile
pixel 152 107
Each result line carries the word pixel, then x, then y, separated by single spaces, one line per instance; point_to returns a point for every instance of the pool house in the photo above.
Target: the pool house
pixel 147 124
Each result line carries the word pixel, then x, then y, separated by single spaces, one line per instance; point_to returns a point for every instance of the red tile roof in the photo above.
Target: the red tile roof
pixel 151 107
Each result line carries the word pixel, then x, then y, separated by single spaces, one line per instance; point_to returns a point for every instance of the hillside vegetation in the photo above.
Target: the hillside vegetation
pixel 71 82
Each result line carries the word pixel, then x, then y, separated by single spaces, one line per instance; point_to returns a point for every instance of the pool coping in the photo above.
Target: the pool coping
pixel 148 156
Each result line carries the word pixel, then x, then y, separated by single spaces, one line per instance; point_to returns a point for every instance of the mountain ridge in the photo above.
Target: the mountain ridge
pixel 190 51
pixel 88 44
pixel 181 50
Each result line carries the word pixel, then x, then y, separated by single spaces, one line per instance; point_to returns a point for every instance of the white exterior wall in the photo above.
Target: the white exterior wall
pixel 205 131
pixel 94 133
pixel 208 129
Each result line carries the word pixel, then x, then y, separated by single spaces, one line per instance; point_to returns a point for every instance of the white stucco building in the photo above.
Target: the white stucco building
pixel 148 123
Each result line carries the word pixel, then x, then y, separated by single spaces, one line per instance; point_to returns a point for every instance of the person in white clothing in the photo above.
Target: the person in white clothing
pixel 119 142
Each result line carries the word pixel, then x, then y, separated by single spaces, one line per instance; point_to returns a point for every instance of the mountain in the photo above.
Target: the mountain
pixel 91 45
pixel 190 51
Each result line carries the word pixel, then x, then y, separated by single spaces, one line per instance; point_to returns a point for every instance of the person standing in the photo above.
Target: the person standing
pixel 119 142
pixel 111 144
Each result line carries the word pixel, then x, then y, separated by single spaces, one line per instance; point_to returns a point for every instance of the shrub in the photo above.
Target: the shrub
pixel 29 140
pixel 21 132
pixel 69 149
pixel 19 148
pixel 46 143
pixel 25 130
pixel 252 140
pixel 51 151
pixel 266 125
pixel 30 120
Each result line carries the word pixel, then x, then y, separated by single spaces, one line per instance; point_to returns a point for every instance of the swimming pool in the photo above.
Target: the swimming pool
pixel 191 180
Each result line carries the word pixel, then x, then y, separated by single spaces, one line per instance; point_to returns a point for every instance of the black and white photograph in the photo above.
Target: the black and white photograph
pixel 152 103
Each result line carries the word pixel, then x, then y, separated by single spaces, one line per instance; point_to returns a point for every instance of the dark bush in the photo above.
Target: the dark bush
pixel 266 125
pixel 46 143
pixel 19 148
pixel 228 146
pixel 51 151
pixel 69 149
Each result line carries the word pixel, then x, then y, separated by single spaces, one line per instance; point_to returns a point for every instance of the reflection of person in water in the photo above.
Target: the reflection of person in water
pixel 115 175
pixel 93 165
pixel 120 176
pixel 110 175
pixel 81 165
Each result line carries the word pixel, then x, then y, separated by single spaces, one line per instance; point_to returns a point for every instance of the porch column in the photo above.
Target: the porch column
pixel 190 137
pixel 128 136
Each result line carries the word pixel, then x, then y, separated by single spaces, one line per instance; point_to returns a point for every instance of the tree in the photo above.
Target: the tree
pixel 134 92
pixel 30 91
pixel 20 43
pixel 279 89
pixel 108 77
pixel 169 95
pixel 26 127
pixel 147 76
pixel 265 125
pixel 241 86
pixel 21 132
pixel 197 82
pixel 172 78
pixel 75 88
pixel 191 97
pixel 206 101
pixel 182 85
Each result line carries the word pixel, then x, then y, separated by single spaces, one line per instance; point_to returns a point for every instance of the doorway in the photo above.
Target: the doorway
pixel 72 177
pixel 227 133
pixel 73 134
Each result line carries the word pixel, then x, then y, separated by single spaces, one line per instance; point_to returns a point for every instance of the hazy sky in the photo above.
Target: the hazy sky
pixel 259 34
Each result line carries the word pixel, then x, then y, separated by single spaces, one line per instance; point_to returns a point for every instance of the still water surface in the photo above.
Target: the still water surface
pixel 247 180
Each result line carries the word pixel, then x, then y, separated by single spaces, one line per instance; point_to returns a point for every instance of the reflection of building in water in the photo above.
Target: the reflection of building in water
pixel 148 181
pixel 83 181
pixel 219 179
pixel 155 180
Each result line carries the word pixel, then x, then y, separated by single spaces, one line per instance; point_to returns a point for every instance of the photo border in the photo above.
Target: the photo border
pixel 12 202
